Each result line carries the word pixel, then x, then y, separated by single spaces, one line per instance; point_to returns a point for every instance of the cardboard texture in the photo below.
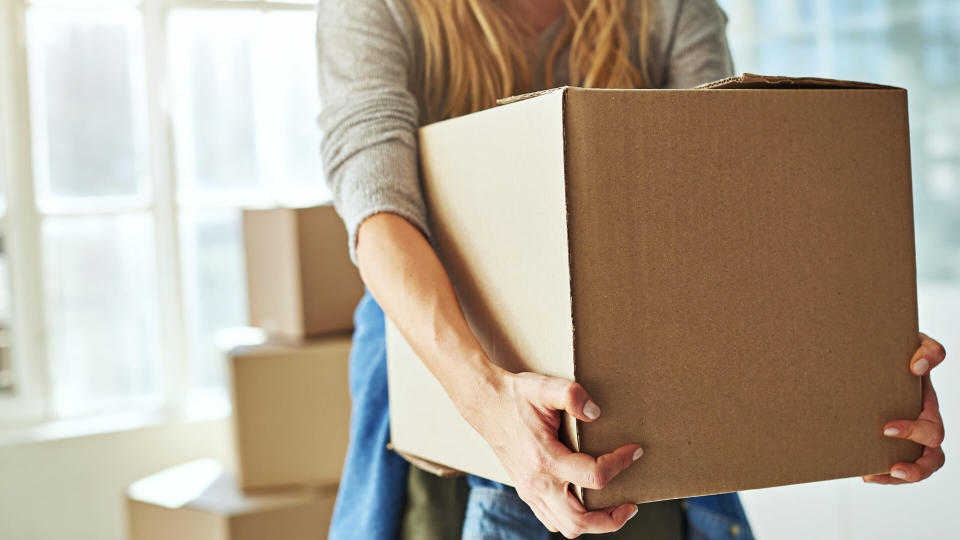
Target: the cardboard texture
pixel 291 412
pixel 730 273
pixel 300 281
pixel 187 503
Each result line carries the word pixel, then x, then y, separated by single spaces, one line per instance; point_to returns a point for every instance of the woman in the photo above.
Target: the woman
pixel 388 66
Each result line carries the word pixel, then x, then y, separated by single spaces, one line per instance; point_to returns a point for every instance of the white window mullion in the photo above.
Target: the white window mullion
pixel 234 5
pixel 175 353
pixel 31 400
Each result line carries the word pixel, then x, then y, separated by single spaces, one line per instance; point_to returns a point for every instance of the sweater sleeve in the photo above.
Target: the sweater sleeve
pixel 369 117
pixel 698 50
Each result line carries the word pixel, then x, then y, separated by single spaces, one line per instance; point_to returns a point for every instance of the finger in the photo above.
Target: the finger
pixel 563 395
pixel 576 520
pixel 586 471
pixel 883 479
pixel 930 354
pixel 930 462
pixel 546 518
pixel 607 520
pixel 931 405
pixel 926 432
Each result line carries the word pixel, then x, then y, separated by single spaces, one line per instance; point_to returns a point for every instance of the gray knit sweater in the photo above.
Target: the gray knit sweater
pixel 370 61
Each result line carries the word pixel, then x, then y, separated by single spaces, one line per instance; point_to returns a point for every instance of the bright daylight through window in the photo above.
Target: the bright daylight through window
pixel 143 127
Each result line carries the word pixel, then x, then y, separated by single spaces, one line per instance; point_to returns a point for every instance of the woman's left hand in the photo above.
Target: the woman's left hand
pixel 927 429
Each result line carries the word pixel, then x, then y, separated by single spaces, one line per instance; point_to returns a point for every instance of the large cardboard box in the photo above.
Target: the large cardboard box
pixel 728 270
pixel 300 280
pixel 197 501
pixel 291 412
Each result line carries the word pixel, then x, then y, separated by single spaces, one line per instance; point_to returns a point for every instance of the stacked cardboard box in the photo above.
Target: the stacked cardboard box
pixel 300 280
pixel 291 402
pixel 291 410
pixel 198 501
pixel 290 396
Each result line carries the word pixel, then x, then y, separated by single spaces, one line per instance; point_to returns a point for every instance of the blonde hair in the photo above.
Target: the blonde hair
pixel 476 50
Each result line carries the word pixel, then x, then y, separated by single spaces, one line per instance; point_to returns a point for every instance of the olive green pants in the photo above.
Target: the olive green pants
pixel 435 508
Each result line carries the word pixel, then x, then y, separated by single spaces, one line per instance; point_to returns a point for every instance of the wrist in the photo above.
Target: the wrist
pixel 474 384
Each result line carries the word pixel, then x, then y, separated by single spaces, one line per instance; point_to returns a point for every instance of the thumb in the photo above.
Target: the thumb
pixel 564 395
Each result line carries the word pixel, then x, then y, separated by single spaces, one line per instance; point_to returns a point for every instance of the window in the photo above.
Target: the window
pixel 911 44
pixel 132 132
pixel 144 127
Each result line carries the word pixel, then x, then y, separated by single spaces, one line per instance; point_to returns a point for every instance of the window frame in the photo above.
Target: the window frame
pixel 31 401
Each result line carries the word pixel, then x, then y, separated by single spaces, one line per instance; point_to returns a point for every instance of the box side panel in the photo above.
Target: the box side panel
pixel 291 413
pixel 493 183
pixel 425 424
pixel 331 284
pixel 744 284
pixel 273 274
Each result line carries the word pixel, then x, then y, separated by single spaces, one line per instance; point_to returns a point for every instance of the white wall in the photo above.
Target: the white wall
pixel 72 489
pixel 851 510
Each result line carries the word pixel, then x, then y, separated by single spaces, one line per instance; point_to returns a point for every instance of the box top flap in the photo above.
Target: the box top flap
pixel 741 82
pixel 761 82
pixel 528 95
pixel 202 485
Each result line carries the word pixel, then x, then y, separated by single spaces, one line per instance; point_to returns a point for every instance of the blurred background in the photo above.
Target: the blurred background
pixel 133 132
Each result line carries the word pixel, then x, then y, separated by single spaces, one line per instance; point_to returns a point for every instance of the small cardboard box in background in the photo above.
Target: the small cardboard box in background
pixel 729 271
pixel 291 412
pixel 198 501
pixel 300 280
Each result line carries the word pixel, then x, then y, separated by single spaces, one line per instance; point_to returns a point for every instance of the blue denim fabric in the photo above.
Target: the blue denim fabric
pixel 372 490
pixel 717 516
pixel 373 484
pixel 495 511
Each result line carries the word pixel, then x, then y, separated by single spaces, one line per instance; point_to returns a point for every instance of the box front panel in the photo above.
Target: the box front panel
pixel 308 520
pixel 274 295
pixel 153 522
pixel 744 284
pixel 291 413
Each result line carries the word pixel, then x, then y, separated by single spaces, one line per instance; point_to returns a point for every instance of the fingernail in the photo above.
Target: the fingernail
pixel 637 453
pixel 891 432
pixel 591 411
pixel 921 366
pixel 899 473
pixel 633 513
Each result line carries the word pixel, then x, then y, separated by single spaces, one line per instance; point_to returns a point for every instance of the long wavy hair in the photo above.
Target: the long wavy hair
pixel 476 50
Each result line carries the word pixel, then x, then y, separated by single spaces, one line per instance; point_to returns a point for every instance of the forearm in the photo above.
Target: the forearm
pixel 406 278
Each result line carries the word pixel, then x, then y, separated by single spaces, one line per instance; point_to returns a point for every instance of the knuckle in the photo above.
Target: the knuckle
pixel 542 463
pixel 939 350
pixel 596 479
pixel 937 438
pixel 571 393
pixel 528 484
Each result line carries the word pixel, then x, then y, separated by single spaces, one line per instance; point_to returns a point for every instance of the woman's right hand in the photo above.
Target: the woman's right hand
pixel 519 415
